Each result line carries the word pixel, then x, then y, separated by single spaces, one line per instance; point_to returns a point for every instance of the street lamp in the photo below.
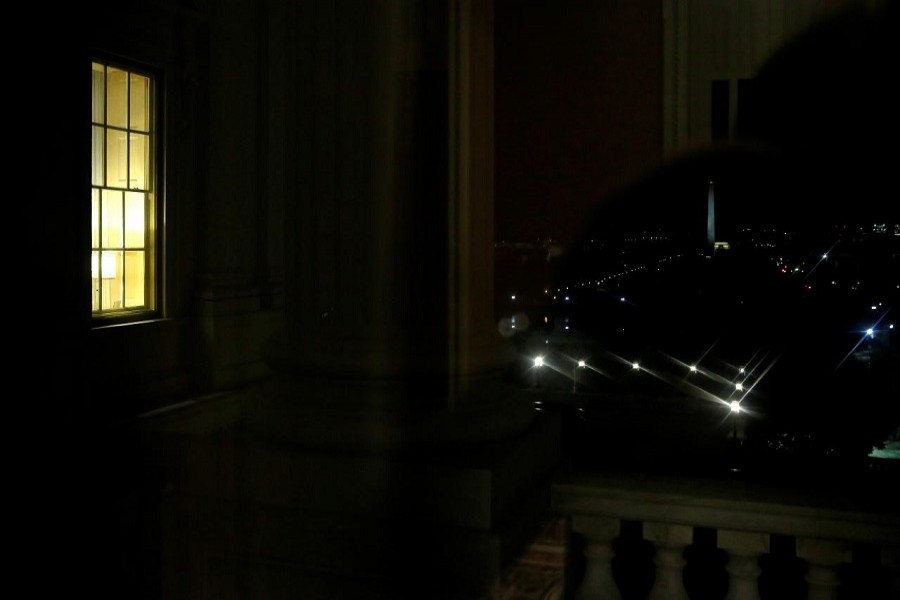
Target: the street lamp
pixel 735 410
pixel 538 363
pixel 581 364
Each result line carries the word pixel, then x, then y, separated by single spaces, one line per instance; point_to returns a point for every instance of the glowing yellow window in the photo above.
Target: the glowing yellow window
pixel 123 187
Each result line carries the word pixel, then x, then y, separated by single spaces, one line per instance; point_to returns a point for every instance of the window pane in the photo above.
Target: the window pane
pixel 134 279
pixel 95 282
pixel 134 220
pixel 140 102
pixel 139 155
pixel 116 98
pixel 97 93
pixel 116 158
pixel 103 264
pixel 95 218
pixel 110 280
pixel 97 156
pixel 111 220
pixel 149 215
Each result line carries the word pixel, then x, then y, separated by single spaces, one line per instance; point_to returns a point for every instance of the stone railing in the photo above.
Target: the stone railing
pixel 677 538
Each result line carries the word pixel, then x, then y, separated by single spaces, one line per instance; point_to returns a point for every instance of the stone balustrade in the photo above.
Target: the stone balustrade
pixel 779 541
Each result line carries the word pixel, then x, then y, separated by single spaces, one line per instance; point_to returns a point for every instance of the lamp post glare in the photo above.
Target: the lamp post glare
pixel 635 365
pixel 581 365
pixel 693 368
pixel 735 412
pixel 538 363
pixel 739 387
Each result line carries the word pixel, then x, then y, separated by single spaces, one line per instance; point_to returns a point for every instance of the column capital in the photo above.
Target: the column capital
pixel 669 536
pixel 743 543
pixel 823 552
pixel 599 529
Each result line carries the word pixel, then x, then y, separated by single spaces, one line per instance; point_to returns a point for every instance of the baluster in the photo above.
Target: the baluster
pixel 823 558
pixel 599 533
pixel 744 551
pixel 670 542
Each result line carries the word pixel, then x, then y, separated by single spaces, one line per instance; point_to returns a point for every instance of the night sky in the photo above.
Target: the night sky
pixel 578 108
pixel 579 128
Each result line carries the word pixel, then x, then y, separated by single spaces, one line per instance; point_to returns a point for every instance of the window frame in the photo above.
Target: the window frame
pixel 154 232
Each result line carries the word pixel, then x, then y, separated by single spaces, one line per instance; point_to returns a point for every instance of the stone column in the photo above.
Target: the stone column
pixel 670 542
pixel 599 533
pixel 390 336
pixel 387 448
pixel 744 551
pixel 823 557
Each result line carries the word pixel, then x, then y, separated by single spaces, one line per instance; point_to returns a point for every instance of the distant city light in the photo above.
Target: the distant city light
pixel 870 332
pixel 873 307
pixel 891 326
pixel 635 365
pixel 693 368
pixel 622 299
pixel 735 406
pixel 582 364
pixel 539 361
pixel 742 370
pixel 566 298
pixel 739 386
pixel 824 256
pixel 512 297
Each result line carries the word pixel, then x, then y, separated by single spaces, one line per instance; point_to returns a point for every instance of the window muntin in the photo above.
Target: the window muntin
pixel 123 188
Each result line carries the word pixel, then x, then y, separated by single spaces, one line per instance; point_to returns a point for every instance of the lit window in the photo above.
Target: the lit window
pixel 123 188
